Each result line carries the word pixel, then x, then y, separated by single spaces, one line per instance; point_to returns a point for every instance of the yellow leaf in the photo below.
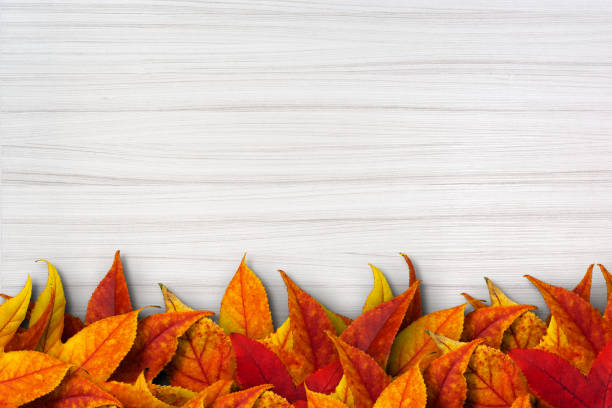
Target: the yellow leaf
pixel 52 335
pixel 12 313
pixel 381 292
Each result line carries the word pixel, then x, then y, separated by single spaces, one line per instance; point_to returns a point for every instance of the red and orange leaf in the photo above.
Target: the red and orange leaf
pixel 343 393
pixel 583 289
pixel 364 376
pixel 12 313
pixel 522 402
pixel 241 399
pixel 155 344
pixel 72 325
pixel 381 292
pixel 281 344
pixel 29 338
pixel 526 332
pixel 600 376
pixel 210 394
pixel 111 297
pixel 415 309
pixel 99 348
pixel 375 330
pixel 50 340
pixel 27 375
pixel 137 395
pixel 257 365
pixel 406 391
pixel 319 400
pixel 270 399
pixel 580 321
pixel 172 395
pixel 75 392
pixel 244 307
pixel 204 354
pixel 446 384
pixel 555 380
pixel 326 379
pixel 490 323
pixel 576 351
pixel 475 303
pixel 309 324
pixel 413 344
pixel 608 278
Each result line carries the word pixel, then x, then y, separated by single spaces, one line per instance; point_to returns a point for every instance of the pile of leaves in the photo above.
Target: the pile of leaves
pixel 391 356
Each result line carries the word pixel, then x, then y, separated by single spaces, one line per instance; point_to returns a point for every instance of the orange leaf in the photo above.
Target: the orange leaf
pixel 75 392
pixel 244 307
pixel 381 292
pixel 475 303
pixel 155 344
pixel 608 278
pixel 99 348
pixel 241 399
pixel 318 400
pixel 12 313
pixel 281 344
pixel 72 325
pixel 580 321
pixel 111 297
pixel 28 339
pixel 171 395
pixel 209 394
pixel 364 376
pixel 490 323
pixel 522 402
pixel 270 399
pixel 575 350
pixel 583 289
pixel 412 345
pixel 309 322
pixel 204 353
pixel 406 391
pixel 415 309
pixel 375 330
pixel 446 384
pixel 137 395
pixel 27 375
pixel 50 340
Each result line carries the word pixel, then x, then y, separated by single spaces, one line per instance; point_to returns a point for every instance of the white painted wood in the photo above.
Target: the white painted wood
pixel 318 136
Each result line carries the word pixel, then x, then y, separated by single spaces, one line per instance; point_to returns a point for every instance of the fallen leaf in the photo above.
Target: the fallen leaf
pixel 52 334
pixel 343 393
pixel 608 279
pixel 415 309
pixel 155 344
pixel 171 394
pixel 99 348
pixel 490 323
pixel 381 292
pixel 136 395
pixel 281 344
pixel 12 313
pixel 244 307
pixel 406 391
pixel 319 400
pixel 364 376
pixel 111 297
pixel 208 395
pixel 375 330
pixel 326 379
pixel 75 392
pixel 270 399
pixel 522 402
pixel 446 384
pixel 72 325
pixel 27 375
pixel 413 344
pixel 241 399
pixel 475 303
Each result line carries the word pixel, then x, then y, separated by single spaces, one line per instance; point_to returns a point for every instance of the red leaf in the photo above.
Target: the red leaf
pixel 600 376
pixel 325 379
pixel 256 365
pixel 72 325
pixel 111 297
pixel 415 309
pixel 375 330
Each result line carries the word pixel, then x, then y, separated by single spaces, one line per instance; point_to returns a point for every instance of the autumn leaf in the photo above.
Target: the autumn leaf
pixel 608 278
pixel 475 303
pixel 319 400
pixel 415 309
pixel 326 379
pixel 256 365
pixel 281 344
pixel 364 376
pixel 375 330
pixel 446 384
pixel 136 395
pixel 155 344
pixel 99 348
pixel 490 323
pixel 241 399
pixel 51 336
pixel 12 313
pixel 413 345
pixel 204 353
pixel 111 297
pixel 343 393
pixel 406 391
pixel 309 323
pixel 72 325
pixel 210 394
pixel 171 394
pixel 578 320
pixel 522 402
pixel 270 399
pixel 75 392
pixel 244 307
pixel 28 339
pixel 381 292
pixel 27 375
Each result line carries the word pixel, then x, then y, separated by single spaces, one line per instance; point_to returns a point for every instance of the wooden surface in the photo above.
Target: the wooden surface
pixel 318 136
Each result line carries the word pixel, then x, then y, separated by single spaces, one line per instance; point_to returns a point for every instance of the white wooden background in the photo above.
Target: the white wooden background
pixel 316 135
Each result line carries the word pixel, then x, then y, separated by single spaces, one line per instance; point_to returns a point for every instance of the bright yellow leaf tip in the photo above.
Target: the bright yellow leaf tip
pixel 381 292
pixel 12 313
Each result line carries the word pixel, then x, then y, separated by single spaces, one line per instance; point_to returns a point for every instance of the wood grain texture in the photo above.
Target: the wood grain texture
pixel 318 136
